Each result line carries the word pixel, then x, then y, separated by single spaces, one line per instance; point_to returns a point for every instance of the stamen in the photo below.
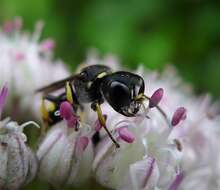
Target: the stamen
pixel 66 110
pixel 156 98
pixel 126 135
pixel 48 45
pixel 160 110
pixel 179 114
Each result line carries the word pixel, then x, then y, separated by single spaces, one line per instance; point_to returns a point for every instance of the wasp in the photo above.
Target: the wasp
pixel 95 84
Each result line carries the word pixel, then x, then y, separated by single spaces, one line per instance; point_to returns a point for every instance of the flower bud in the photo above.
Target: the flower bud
pixel 18 165
pixel 66 155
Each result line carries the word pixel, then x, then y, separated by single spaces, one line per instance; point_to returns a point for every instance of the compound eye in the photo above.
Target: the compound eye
pixel 119 94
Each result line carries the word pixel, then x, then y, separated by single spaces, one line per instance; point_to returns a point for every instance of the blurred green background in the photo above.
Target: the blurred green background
pixel 154 32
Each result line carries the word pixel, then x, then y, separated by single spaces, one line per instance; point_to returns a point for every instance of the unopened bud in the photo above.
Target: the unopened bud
pixel 18 163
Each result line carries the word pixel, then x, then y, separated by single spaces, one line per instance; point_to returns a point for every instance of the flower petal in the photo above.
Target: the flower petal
pixel 144 174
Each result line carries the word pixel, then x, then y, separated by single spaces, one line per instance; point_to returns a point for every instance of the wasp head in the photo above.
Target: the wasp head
pixel 124 91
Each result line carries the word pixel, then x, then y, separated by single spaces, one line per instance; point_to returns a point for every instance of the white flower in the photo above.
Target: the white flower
pixel 18 165
pixel 26 64
pixel 199 133
pixel 157 151
pixel 66 153
pixel 140 145
pixel 197 164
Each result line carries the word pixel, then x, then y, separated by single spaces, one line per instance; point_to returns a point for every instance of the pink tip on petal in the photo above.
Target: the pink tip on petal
pixel 48 44
pixel 66 110
pixel 98 125
pixel 126 135
pixel 3 96
pixel 81 144
pixel 179 114
pixel 156 98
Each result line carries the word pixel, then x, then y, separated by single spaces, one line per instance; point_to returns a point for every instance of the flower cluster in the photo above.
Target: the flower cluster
pixel 170 144
pixel 26 64
pixel 148 157
pixel 199 134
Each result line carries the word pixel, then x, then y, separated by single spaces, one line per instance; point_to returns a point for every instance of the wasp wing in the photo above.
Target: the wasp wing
pixel 57 85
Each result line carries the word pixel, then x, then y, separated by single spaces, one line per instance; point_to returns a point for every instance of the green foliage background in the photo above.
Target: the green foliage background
pixel 154 32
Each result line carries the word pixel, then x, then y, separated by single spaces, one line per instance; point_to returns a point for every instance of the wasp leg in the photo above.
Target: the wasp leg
pixel 72 98
pixel 103 123
pixel 45 117
pixel 69 92
pixel 162 112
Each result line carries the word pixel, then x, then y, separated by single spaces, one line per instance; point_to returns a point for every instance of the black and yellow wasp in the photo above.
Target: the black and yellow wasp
pixel 124 91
